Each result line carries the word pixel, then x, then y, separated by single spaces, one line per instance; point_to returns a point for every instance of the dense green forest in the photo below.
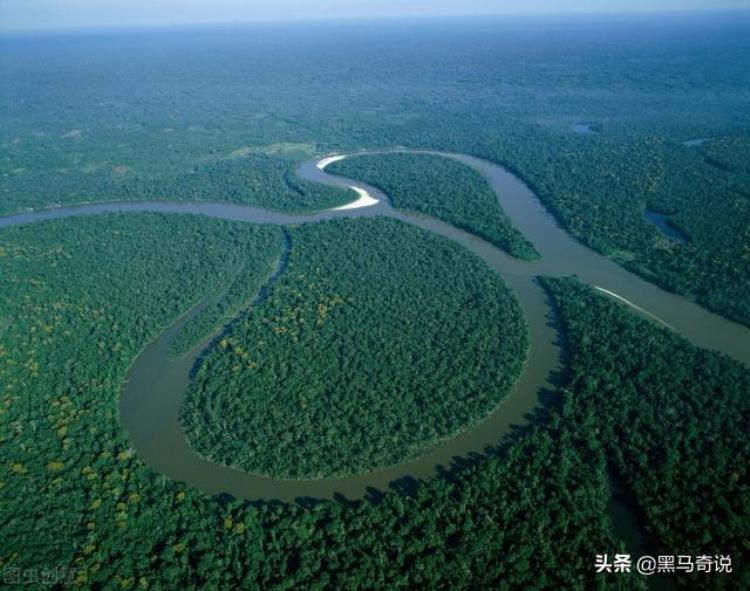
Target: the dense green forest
pixel 442 188
pixel 226 114
pixel 702 200
pixel 531 517
pixel 253 272
pixel 83 168
pixel 672 420
pixel 74 496
pixel 377 341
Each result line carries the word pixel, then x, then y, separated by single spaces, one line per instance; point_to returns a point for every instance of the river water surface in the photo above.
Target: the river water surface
pixel 156 383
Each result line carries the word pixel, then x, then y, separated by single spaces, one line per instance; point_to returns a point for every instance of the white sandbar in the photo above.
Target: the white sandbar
pixel 365 200
pixel 634 306
pixel 330 160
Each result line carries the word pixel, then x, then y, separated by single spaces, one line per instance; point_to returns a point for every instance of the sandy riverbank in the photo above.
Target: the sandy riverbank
pixel 364 198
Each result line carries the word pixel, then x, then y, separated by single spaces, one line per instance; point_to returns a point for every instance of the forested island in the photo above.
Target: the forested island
pixel 441 188
pixel 378 341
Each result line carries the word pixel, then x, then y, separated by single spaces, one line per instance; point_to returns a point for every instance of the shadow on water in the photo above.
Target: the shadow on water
pixel 626 519
pixel 153 392
pixel 206 347
pixel 548 399
pixel 156 383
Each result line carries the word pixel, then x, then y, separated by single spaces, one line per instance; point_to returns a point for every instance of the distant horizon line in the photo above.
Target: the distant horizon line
pixel 383 17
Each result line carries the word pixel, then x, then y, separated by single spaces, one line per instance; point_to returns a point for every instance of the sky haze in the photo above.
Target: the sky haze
pixel 43 14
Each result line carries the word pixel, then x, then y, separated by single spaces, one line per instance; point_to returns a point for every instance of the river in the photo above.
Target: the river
pixel 156 383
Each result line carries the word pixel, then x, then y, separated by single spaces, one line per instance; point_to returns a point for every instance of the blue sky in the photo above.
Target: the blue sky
pixel 38 14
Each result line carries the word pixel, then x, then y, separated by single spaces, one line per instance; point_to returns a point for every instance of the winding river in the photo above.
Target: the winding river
pixel 151 396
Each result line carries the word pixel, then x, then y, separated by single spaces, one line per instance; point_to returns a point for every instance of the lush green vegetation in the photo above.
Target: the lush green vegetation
pixel 672 420
pixel 442 188
pixel 712 266
pixel 73 495
pixel 70 326
pixel 77 169
pixel 253 272
pixel 225 114
pixel 378 340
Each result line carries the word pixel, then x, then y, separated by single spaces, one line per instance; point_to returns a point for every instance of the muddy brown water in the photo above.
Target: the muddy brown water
pixel 156 383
